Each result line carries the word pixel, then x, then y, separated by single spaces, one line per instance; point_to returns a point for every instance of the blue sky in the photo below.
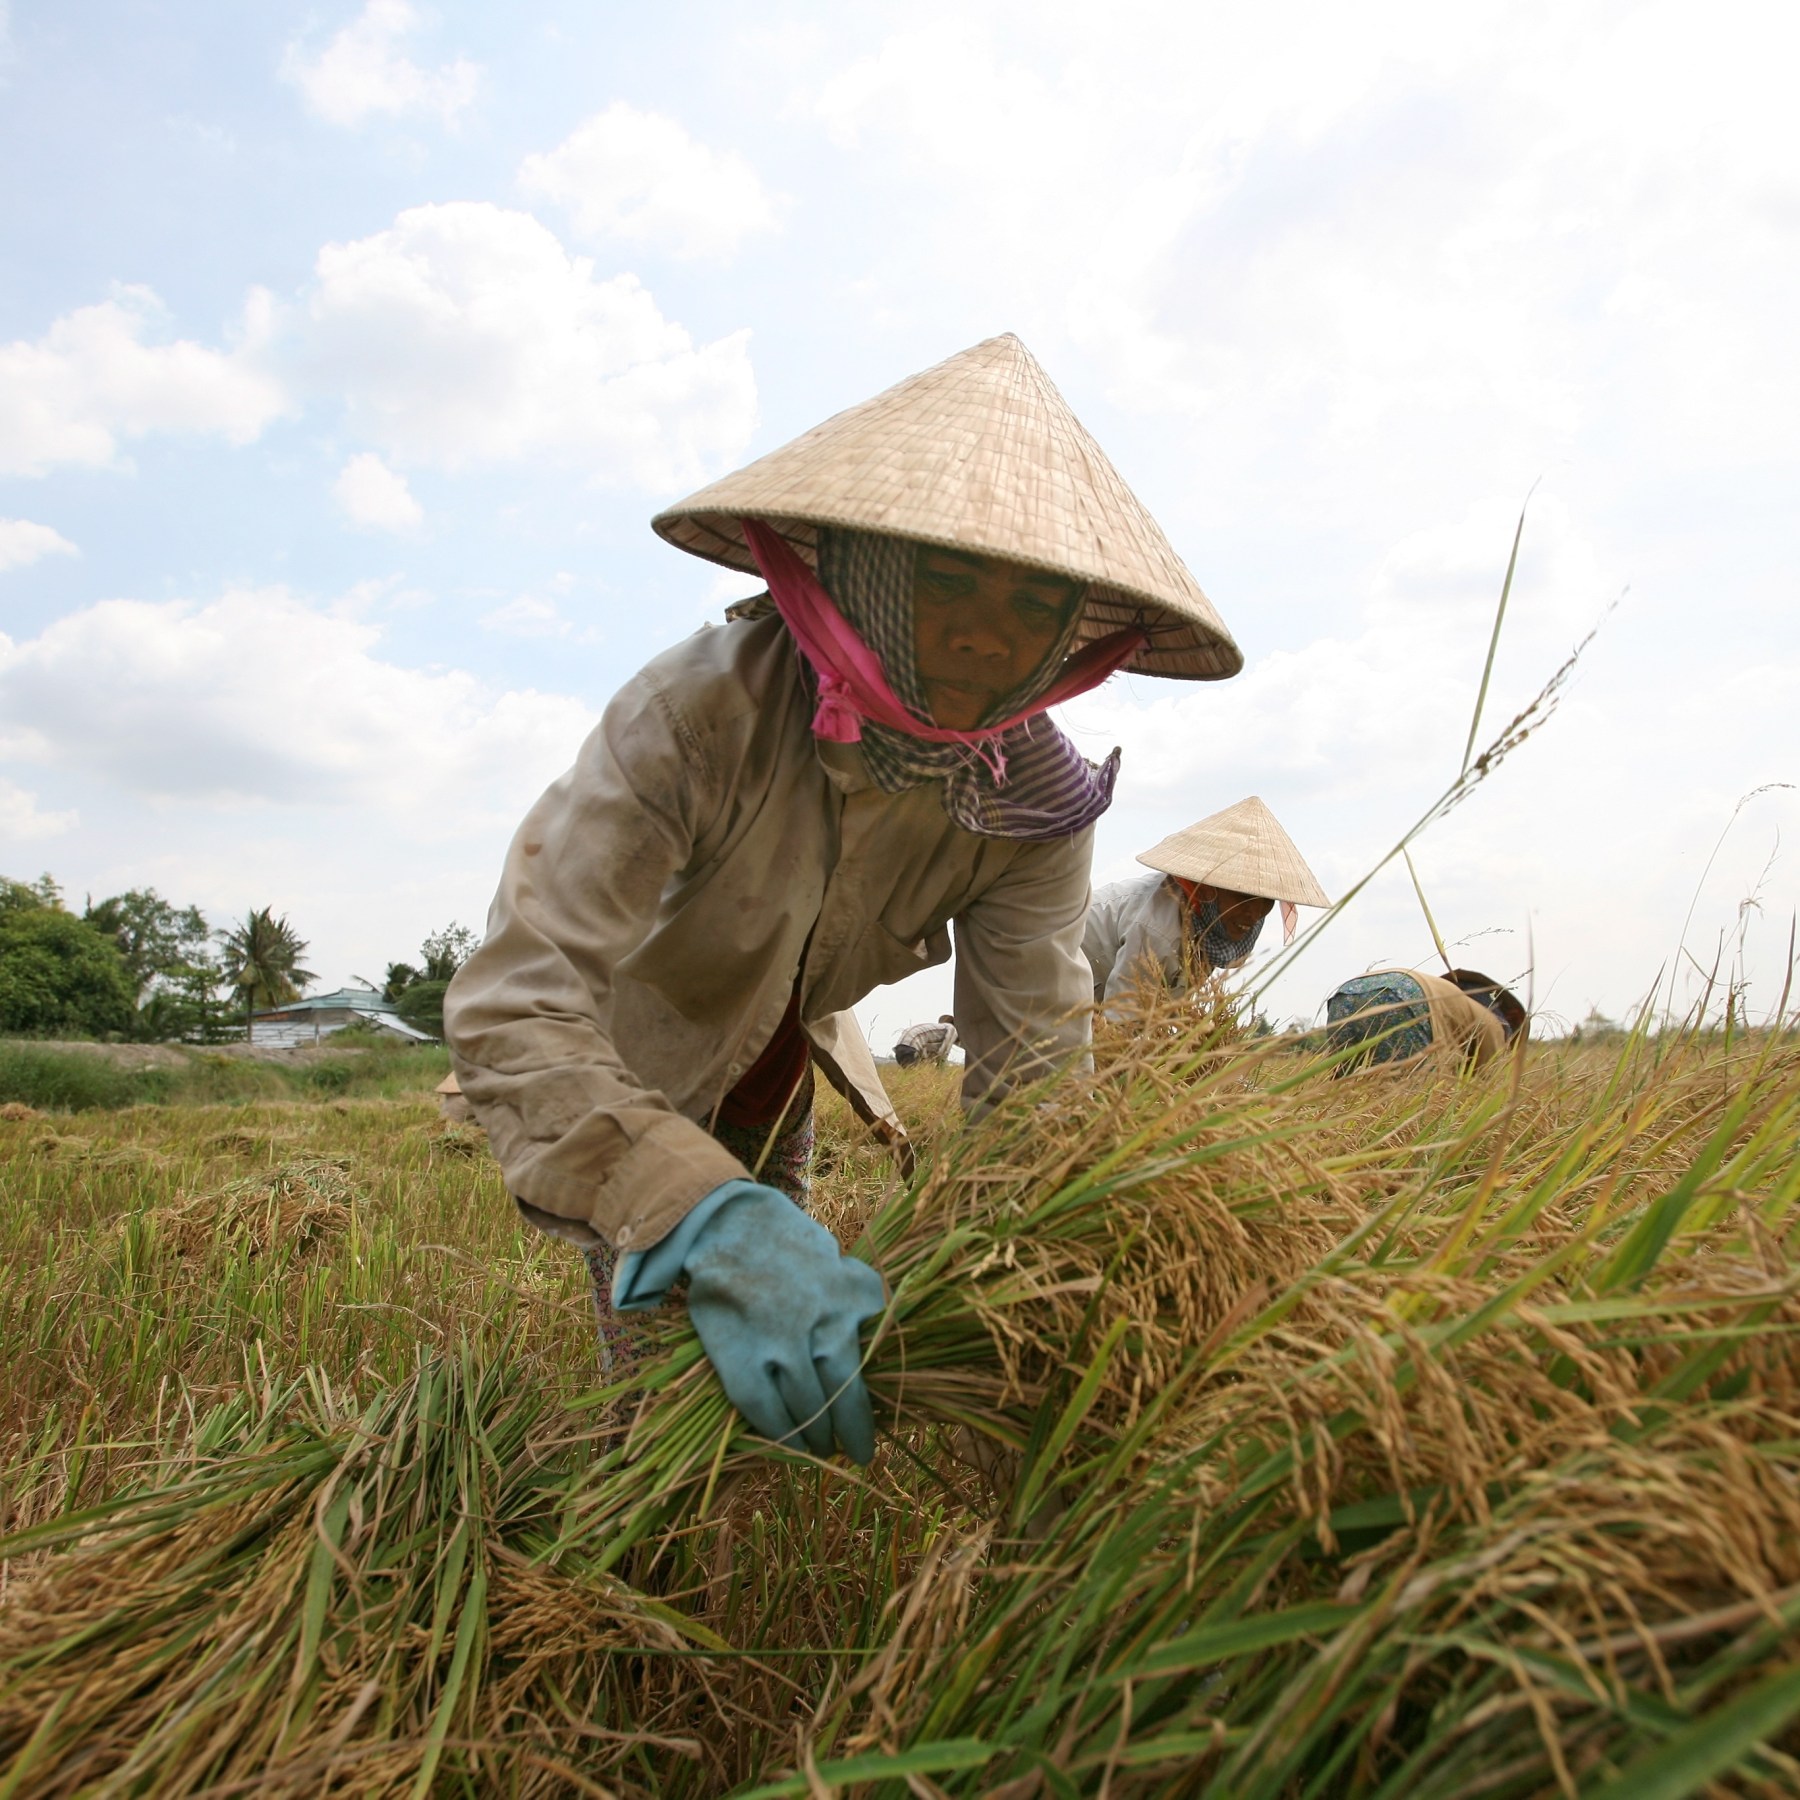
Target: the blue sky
pixel 345 352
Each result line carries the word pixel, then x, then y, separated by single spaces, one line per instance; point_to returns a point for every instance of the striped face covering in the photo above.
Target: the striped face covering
pixel 1040 787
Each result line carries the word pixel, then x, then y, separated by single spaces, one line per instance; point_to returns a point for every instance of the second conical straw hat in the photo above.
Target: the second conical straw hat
pixel 1242 848
pixel 981 453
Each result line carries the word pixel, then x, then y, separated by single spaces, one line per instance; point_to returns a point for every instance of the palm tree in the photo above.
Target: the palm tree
pixel 262 961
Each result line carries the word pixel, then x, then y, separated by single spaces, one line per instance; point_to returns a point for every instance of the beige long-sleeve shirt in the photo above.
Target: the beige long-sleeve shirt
pixel 1134 931
pixel 659 901
pixel 1460 1025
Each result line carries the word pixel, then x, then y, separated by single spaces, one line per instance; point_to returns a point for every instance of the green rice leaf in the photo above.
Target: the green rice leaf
pixel 1711 1746
pixel 945 1757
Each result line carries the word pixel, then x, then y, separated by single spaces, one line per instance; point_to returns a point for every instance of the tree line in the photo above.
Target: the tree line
pixel 135 966
pixel 417 990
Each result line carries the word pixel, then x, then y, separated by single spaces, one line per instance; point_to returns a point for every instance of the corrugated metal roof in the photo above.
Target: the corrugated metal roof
pixel 406 1030
pixel 362 1000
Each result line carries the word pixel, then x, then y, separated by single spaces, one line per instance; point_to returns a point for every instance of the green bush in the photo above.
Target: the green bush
pixel 422 1006
pixel 224 1080
pixel 59 976
pixel 332 1078
pixel 68 1081
pixel 56 1080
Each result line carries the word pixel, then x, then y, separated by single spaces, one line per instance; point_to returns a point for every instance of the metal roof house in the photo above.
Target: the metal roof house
pixel 312 1020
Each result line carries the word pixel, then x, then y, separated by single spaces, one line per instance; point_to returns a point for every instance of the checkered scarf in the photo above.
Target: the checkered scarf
pixel 1046 787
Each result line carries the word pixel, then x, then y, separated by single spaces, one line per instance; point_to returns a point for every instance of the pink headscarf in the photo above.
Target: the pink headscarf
pixel 852 683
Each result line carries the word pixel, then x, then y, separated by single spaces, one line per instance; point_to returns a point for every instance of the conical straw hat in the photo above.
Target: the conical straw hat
pixel 981 453
pixel 1243 849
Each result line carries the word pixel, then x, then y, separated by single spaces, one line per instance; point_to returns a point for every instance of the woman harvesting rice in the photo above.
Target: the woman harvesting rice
pixel 1213 885
pixel 1462 1018
pixel 776 817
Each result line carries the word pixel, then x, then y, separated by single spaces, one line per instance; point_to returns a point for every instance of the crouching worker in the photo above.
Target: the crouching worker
pixel 781 814
pixel 1204 906
pixel 926 1043
pixel 1402 1016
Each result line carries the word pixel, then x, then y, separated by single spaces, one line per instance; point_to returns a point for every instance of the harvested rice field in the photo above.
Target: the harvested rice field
pixel 1248 1433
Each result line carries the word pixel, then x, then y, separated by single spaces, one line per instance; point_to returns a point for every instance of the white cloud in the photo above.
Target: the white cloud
pixel 22 823
pixel 1384 703
pixel 362 71
pixel 528 616
pixel 638 176
pixel 94 379
pixel 22 542
pixel 467 334
pixel 1388 249
pixel 463 335
pixel 258 696
pixel 374 495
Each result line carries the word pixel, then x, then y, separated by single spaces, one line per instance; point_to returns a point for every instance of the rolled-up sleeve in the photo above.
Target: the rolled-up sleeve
pixel 1024 988
pixel 585 1148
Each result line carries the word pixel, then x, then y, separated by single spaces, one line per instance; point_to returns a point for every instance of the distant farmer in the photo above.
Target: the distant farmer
pixel 926 1043
pixel 453 1105
pixel 779 815
pixel 1400 1015
pixel 1204 906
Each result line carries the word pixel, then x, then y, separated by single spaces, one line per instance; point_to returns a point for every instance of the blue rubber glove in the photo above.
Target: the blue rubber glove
pixel 777 1306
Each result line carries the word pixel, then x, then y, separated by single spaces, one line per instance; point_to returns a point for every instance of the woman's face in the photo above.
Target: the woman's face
pixel 980 628
pixel 1237 912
